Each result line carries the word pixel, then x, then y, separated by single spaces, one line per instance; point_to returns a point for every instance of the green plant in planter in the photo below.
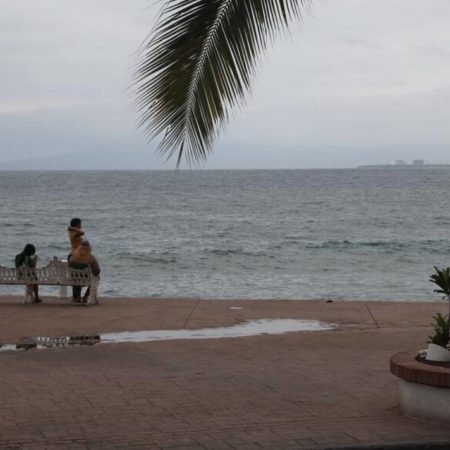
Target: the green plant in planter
pixel 441 323
pixel 441 330
pixel 442 279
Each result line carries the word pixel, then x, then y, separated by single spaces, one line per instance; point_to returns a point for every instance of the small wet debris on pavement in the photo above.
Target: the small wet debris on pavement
pixel 248 328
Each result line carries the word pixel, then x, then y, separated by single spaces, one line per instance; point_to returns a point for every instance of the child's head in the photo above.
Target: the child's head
pixel 75 223
pixel 29 250
pixel 86 245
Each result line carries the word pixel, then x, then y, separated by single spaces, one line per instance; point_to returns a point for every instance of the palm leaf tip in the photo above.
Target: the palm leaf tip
pixel 199 64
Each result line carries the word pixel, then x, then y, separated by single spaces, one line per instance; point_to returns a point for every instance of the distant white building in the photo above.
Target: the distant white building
pixel 401 162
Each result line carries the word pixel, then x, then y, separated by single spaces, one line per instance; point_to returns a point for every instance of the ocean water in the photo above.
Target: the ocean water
pixel 283 234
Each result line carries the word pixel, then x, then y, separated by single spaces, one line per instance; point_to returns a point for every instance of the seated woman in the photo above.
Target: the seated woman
pixel 81 258
pixel 28 259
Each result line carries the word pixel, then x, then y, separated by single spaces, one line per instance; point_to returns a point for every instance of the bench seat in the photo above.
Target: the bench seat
pixel 55 273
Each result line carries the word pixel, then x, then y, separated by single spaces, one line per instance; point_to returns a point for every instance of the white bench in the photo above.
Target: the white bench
pixel 55 273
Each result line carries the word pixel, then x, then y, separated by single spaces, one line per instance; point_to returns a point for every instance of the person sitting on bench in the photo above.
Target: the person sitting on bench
pixel 82 258
pixel 28 260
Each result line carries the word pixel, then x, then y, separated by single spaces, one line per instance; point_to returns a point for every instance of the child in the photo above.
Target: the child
pixel 75 234
pixel 28 259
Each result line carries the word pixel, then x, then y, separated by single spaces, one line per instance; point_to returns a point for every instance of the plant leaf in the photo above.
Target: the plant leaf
pixel 199 64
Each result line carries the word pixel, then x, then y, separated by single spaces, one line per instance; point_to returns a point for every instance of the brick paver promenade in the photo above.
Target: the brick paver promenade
pixel 293 391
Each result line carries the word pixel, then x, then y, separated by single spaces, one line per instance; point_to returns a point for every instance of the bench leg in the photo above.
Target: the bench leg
pixel 93 299
pixel 29 298
pixel 62 291
pixel 94 294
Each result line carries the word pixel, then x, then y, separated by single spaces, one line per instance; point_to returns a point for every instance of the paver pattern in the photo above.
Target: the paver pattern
pixel 292 391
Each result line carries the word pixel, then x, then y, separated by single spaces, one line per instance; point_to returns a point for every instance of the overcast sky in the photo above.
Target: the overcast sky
pixel 361 81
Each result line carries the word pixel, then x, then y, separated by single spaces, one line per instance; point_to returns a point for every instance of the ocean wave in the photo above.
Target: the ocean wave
pixel 234 251
pixel 18 225
pixel 431 244
pixel 56 246
pixel 348 244
pixel 153 257
pixel 442 220
pixel 294 237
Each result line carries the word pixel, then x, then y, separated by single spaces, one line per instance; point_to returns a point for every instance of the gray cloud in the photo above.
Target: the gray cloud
pixel 359 75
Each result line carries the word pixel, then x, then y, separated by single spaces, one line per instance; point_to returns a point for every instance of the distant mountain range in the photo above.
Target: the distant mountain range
pixel 227 155
pixel 91 161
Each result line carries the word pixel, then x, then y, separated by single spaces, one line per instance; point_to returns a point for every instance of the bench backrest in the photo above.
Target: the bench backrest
pixel 54 273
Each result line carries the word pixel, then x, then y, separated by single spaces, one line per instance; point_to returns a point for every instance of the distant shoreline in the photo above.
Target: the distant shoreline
pixel 405 167
pixel 188 170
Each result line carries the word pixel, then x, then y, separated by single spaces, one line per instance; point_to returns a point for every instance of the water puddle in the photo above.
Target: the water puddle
pixel 250 328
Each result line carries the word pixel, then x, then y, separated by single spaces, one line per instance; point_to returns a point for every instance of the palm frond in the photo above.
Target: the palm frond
pixel 199 64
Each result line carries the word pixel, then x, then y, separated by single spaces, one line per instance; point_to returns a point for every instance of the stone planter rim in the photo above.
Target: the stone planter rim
pixel 405 366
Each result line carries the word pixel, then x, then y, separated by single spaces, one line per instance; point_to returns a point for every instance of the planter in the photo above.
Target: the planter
pixel 437 353
pixel 423 387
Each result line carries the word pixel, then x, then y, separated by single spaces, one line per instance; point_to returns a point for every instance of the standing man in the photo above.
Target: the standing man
pixel 75 234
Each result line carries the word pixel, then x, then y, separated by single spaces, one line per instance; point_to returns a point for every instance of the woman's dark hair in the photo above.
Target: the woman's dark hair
pixel 75 222
pixel 29 250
